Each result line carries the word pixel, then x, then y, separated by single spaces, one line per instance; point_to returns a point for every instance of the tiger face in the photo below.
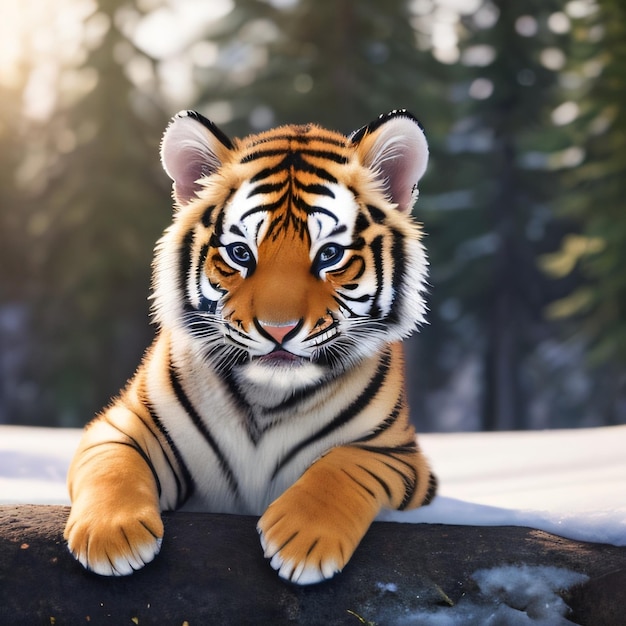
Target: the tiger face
pixel 295 253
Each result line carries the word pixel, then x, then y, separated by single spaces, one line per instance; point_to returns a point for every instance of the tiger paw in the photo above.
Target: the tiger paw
pixel 304 545
pixel 114 544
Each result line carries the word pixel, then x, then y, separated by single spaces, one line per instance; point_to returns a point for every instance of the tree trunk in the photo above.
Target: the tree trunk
pixel 211 571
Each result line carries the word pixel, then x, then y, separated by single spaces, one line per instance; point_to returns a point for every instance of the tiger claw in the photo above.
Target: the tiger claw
pixel 122 565
pixel 303 571
pixel 113 547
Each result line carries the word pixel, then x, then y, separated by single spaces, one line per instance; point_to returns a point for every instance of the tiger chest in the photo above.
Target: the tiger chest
pixel 243 447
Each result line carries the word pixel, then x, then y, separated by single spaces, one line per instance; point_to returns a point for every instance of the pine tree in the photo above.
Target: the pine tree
pixel 105 203
pixel 595 191
pixel 339 64
pixel 485 264
pixel 15 399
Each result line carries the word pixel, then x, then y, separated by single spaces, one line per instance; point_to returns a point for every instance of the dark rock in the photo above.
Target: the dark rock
pixel 211 571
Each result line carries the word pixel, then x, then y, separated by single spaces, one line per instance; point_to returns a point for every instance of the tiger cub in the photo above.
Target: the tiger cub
pixel 275 384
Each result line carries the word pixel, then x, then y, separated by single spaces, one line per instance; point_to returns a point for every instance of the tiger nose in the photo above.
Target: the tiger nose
pixel 278 332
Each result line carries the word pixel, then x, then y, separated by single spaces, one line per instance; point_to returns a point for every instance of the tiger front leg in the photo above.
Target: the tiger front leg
pixel 115 525
pixel 310 532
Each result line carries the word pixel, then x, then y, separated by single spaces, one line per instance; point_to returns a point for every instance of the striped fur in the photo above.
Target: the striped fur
pixel 275 384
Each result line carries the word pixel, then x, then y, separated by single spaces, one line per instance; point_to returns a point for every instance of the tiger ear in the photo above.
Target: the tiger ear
pixel 394 148
pixel 192 148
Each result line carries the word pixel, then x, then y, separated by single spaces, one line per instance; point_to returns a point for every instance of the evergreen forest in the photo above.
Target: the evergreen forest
pixel 523 202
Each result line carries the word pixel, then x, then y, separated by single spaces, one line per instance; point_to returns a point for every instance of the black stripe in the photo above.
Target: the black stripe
pixel 379 480
pixel 207 215
pixel 359 483
pixel 377 246
pixel 273 228
pixel 184 266
pixel 355 259
pixel 260 154
pixel 377 215
pixel 224 140
pixel 267 188
pixel 407 448
pixel 305 166
pixel 188 407
pixel 218 230
pixel 267 206
pixel 167 459
pixel 204 251
pixel 358 243
pixel 315 188
pixel 300 137
pixel 410 483
pixel 133 446
pixel 268 172
pixel 297 397
pixel 361 223
pixel 389 421
pixel 343 305
pixel 349 413
pixel 432 490
pixel 253 429
pixel 409 487
pixel 187 487
pixel 136 446
pixel 293 160
pixel 397 277
pixel 326 155
pixel 358 135
pixel 363 298
pixel 300 203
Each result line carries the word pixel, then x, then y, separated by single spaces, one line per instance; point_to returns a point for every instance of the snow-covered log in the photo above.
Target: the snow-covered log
pixel 211 571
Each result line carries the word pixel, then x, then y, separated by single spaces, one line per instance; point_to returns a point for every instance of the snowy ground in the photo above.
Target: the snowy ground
pixel 568 482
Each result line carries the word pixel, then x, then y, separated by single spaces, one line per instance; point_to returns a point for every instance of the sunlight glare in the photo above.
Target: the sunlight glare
pixel 581 8
pixel 170 29
pixel 559 23
pixel 462 7
pixel 565 113
pixel 526 26
pixel 37 40
pixel 479 55
pixel 553 59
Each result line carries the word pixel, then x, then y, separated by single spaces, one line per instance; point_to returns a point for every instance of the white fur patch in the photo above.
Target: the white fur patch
pixel 282 377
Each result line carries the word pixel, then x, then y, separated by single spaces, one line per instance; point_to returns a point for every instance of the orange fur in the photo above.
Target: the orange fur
pixel 275 384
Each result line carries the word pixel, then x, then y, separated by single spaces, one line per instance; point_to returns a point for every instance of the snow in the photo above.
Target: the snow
pixel 511 595
pixel 567 482
pixel 34 463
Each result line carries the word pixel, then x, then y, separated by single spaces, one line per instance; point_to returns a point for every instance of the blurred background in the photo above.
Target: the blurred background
pixel 523 202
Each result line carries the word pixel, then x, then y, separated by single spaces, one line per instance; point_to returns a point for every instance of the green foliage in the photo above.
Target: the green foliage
pixel 521 203
pixel 94 216
pixel 340 64
pixel 596 189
